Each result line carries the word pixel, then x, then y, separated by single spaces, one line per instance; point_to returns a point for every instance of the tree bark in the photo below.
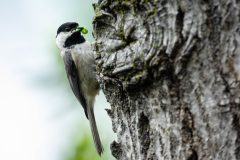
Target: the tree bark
pixel 171 71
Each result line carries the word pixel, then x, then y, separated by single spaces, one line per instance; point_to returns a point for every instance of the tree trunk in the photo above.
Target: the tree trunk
pixel 171 71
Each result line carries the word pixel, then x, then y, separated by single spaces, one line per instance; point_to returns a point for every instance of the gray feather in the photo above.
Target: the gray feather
pixel 94 130
pixel 74 81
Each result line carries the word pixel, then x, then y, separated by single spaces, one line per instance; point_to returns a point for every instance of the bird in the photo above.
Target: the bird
pixel 78 58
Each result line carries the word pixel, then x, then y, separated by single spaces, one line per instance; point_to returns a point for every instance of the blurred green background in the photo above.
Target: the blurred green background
pixel 40 118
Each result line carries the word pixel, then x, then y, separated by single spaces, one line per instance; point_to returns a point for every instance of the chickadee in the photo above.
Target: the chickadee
pixel 78 57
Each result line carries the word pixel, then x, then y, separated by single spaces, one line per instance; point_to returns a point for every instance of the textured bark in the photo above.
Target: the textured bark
pixel 171 72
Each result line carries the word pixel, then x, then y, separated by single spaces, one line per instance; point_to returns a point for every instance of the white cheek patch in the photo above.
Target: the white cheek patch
pixel 61 38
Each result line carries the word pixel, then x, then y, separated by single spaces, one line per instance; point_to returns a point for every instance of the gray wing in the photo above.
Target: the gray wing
pixel 74 81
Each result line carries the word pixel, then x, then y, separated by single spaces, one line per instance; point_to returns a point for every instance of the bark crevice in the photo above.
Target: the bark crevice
pixel 171 72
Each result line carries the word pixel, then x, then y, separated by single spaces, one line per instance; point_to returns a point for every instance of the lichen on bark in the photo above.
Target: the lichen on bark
pixel 170 70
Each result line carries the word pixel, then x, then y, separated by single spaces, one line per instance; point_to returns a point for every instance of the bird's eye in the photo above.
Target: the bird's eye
pixel 67 29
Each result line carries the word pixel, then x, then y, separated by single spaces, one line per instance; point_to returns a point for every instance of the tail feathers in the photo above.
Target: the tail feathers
pixel 94 130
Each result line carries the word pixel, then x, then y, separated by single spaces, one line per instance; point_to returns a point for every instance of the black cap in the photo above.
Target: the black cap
pixel 66 27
